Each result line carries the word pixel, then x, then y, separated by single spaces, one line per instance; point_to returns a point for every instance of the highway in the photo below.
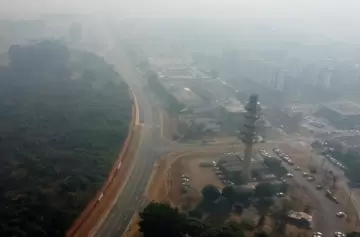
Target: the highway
pixel 131 198
pixel 324 216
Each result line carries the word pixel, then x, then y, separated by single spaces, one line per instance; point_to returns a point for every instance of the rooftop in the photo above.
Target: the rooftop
pixel 184 95
pixel 238 166
pixel 232 105
pixel 345 107
pixel 300 216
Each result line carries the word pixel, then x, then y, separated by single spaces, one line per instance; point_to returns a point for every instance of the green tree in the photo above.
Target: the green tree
pixel 159 219
pixel 263 190
pixel 194 227
pixel 280 215
pixel 238 195
pixel 353 234
pixel 228 230
pixel 195 213
pixel 210 193
pixel 275 166
pixel 260 234
pixel 229 192
pixel 263 207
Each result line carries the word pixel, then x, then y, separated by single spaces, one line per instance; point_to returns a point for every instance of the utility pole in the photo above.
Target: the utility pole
pixel 252 108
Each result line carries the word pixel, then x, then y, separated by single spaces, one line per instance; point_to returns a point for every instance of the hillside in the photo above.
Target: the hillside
pixel 63 118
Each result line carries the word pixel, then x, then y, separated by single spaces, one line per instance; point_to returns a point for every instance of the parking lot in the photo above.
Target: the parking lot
pixel 199 175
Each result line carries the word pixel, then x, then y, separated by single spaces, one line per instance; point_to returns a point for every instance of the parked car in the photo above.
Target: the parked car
pixel 319 187
pixel 310 178
pixel 340 214
pixel 339 234
pixel 317 234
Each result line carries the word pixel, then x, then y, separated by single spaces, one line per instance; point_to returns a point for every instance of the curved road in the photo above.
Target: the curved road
pixel 131 199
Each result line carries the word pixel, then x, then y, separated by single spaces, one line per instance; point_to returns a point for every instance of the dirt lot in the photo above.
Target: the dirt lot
pixel 200 176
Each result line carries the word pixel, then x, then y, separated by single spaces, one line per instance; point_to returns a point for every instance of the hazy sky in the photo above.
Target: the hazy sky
pixel 334 17
pixel 279 8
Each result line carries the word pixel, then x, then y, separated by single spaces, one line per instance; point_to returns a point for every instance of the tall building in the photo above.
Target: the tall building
pixel 279 80
pixel 324 78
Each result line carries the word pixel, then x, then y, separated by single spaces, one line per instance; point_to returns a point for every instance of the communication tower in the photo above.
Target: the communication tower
pixel 252 114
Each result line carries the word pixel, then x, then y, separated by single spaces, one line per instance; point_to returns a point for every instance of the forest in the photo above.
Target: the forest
pixel 64 115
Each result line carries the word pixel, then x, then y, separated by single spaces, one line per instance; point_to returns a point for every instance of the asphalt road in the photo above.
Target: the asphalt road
pixel 131 199
pixel 324 216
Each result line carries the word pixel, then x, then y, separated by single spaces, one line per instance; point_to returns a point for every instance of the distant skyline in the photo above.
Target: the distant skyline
pixel 335 17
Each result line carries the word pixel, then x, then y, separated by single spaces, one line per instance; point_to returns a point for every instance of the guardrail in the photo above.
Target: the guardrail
pixel 116 167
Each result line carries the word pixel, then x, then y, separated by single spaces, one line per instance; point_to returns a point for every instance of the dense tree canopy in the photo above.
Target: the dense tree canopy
pixel 161 220
pixel 353 234
pixel 351 160
pixel 63 118
pixel 263 190
pixel 275 166
pixel 238 195
pixel 210 193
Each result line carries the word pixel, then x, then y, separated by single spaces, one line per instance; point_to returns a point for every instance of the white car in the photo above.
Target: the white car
pixel 340 214
pixel 310 178
pixel 317 234
pixel 289 175
pixel 339 234
pixel 280 194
